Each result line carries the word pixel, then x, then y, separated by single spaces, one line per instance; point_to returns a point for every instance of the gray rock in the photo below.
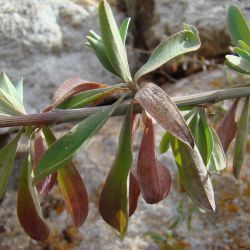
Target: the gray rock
pixel 208 16
pixel 43 41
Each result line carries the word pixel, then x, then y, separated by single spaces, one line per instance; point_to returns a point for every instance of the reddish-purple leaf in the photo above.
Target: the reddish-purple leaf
pixel 153 177
pixel 160 106
pixel 28 208
pixel 227 127
pixel 135 124
pixel 74 193
pixel 134 192
pixel 70 87
pixel 48 183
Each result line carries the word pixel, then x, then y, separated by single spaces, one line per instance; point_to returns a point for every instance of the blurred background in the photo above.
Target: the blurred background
pixel 43 42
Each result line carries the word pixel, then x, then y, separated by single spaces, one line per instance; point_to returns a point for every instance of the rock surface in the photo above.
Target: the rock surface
pixel 208 16
pixel 43 41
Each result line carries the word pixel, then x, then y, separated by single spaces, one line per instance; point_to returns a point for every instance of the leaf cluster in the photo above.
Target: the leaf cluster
pixel 240 35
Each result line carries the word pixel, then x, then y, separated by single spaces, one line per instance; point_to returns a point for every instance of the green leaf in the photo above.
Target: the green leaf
pixel 7 87
pixel 237 63
pixel 7 157
pixel 193 122
pixel 7 106
pixel 205 138
pixel 62 150
pixel 94 35
pixel 86 97
pixel 113 204
pixel 244 46
pixel 178 44
pixel 217 160
pixel 241 139
pixel 189 115
pixel 193 174
pixel 71 186
pixel 49 136
pixel 165 143
pixel 134 192
pixel 112 41
pixel 28 208
pixel 242 53
pixel 237 25
pixel 124 29
pixel 10 102
pixel 98 47
pixel 160 106
pixel 74 193
pixel 207 142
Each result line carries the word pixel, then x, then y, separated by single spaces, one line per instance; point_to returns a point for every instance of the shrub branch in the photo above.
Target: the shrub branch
pixel 59 116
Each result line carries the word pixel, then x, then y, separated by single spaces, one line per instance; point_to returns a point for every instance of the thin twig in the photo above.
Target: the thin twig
pixel 71 115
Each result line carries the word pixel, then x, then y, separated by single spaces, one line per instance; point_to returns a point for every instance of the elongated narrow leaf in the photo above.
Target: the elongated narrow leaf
pixel 237 63
pixel 113 204
pixel 153 177
pixel 193 174
pixel 124 29
pixel 242 53
pixel 160 106
pixel 193 123
pixel 7 87
pixel 134 193
pixel 112 41
pixel 98 47
pixel 96 43
pixel 47 184
pixel 62 150
pixel 94 35
pixel 72 187
pixel 7 157
pixel 209 136
pixel 190 114
pixel 165 143
pixel 87 97
pixel 203 137
pixel 178 44
pixel 241 139
pixel 71 87
pixel 74 193
pixel 8 106
pixel 135 125
pixel 217 160
pixel 237 25
pixel 28 208
pixel 244 46
pixel 226 129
